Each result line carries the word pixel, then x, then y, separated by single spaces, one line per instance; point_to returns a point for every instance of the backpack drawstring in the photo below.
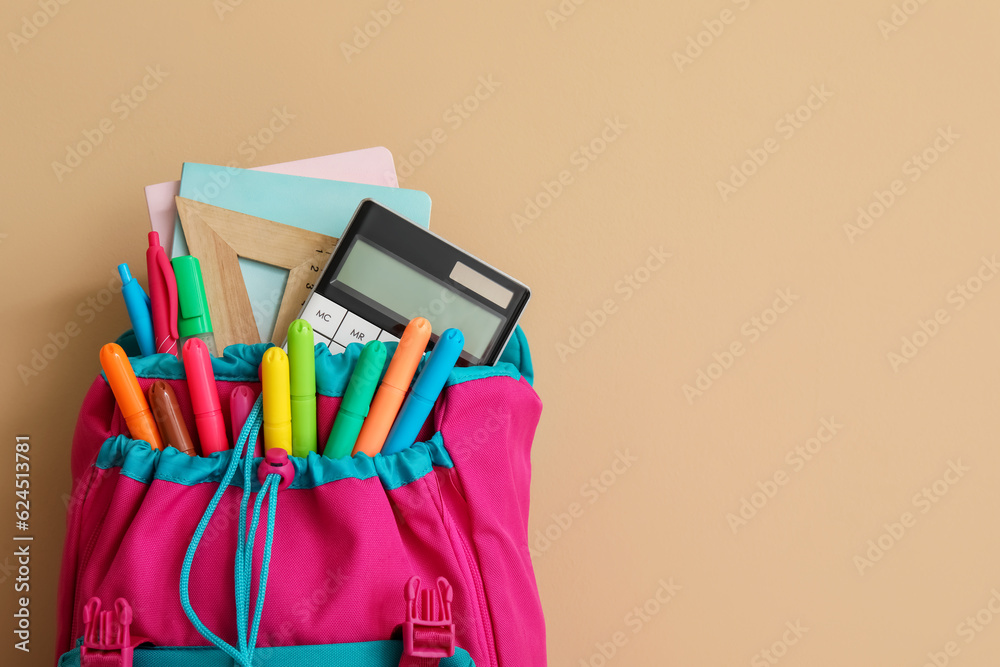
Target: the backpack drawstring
pixel 243 569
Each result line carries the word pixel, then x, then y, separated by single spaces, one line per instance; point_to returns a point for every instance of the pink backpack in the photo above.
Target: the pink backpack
pixel 401 559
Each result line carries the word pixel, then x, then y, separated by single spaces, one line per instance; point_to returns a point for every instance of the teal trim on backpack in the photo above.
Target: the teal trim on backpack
pixel 361 654
pixel 239 363
pixel 518 354
pixel 142 463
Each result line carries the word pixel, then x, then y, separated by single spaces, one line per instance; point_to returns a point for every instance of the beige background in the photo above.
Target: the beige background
pixel 681 130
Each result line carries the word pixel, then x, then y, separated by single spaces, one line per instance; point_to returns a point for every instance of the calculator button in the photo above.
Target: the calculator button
pixel 337 348
pixel 355 330
pixel 387 337
pixel 320 338
pixel 324 315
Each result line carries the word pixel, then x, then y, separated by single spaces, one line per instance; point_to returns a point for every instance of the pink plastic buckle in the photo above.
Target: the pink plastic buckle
pixel 276 463
pixel 107 631
pixel 429 630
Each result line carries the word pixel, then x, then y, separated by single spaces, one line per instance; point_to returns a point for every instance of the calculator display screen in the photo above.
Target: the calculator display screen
pixel 392 283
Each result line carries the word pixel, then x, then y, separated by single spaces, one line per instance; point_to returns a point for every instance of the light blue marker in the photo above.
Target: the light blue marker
pixel 425 391
pixel 137 305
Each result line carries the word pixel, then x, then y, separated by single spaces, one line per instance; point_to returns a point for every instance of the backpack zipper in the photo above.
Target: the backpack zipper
pixel 473 566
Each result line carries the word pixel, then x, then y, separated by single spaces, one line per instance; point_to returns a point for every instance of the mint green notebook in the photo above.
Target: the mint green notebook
pixel 315 204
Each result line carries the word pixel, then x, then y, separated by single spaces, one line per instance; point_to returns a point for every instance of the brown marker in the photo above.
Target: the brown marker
pixel 170 420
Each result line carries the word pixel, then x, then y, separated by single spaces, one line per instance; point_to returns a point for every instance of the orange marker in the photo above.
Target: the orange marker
pixel 391 393
pixel 131 401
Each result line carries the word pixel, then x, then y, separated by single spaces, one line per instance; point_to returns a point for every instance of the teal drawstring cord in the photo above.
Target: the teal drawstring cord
pixel 243 569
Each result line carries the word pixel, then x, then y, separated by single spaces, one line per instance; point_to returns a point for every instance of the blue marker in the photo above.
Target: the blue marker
pixel 137 304
pixel 425 391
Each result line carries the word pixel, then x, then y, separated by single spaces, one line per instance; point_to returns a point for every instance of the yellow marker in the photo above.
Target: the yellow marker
pixel 277 400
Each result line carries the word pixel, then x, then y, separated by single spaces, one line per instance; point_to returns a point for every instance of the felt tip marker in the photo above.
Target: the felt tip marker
pixel 204 397
pixel 425 391
pixel 193 318
pixel 131 401
pixel 162 296
pixel 169 418
pixel 392 391
pixel 241 402
pixel 357 399
pixel 137 305
pixel 277 400
pixel 302 379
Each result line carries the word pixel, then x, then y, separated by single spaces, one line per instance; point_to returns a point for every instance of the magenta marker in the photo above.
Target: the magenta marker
pixel 241 402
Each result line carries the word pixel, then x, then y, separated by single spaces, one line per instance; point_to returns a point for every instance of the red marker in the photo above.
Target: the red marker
pixel 204 397
pixel 162 296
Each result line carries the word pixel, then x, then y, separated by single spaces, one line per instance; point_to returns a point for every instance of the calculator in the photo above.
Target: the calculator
pixel 386 270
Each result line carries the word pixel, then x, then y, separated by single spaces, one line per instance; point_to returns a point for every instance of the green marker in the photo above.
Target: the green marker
pixel 302 381
pixel 193 318
pixel 357 400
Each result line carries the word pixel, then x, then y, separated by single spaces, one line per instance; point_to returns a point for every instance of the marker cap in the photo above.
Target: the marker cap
pixel 443 357
pixel 425 391
pixel 193 317
pixel 131 401
pixel 138 306
pixel 169 418
pixel 204 397
pixel 122 380
pixel 408 353
pixel 358 395
pixel 302 358
pixel 277 400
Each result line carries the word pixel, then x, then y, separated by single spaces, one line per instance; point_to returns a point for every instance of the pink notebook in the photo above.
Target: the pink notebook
pixel 372 166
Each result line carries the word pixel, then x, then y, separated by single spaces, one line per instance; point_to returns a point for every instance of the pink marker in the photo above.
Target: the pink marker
pixel 204 397
pixel 162 296
pixel 240 404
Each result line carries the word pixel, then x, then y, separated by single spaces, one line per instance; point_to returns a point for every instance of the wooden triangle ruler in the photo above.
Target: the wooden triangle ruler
pixel 218 237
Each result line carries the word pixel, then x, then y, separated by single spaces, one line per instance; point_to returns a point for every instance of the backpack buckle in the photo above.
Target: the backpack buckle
pixel 429 629
pixel 107 631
